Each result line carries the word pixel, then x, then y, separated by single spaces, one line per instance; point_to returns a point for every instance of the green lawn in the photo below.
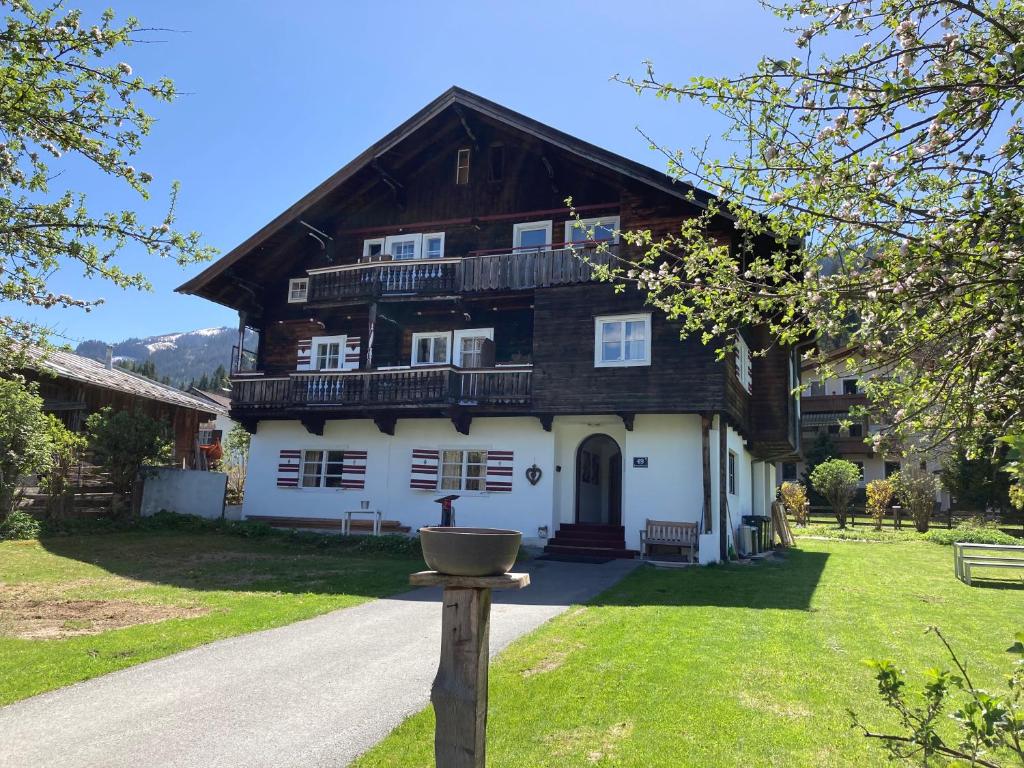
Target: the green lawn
pixel 738 665
pixel 60 597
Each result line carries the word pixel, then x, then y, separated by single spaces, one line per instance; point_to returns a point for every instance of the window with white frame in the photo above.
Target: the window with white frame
pixel 732 473
pixel 322 469
pixel 431 348
pixel 373 248
pixel 298 289
pixel 328 352
pixel 601 229
pixel 531 236
pixel 622 340
pixel 433 245
pixel 469 346
pixel 744 364
pixel 403 246
pixel 463 470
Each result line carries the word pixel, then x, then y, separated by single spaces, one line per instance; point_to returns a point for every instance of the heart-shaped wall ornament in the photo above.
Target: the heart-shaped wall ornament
pixel 533 474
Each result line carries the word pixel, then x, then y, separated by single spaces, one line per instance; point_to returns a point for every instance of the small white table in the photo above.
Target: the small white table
pixel 346 523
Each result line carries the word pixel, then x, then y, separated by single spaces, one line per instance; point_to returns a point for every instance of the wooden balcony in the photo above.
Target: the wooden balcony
pixel 830 403
pixel 406 388
pixel 520 270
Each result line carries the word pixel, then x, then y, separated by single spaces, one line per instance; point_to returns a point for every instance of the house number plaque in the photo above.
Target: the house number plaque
pixel 640 462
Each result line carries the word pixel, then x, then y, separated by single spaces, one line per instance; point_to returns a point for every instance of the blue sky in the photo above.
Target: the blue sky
pixel 277 96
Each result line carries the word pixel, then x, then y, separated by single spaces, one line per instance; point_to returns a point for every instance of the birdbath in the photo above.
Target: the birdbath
pixel 480 559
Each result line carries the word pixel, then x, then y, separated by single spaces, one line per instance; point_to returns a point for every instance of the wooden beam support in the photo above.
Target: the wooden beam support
pixel 546 420
pixel 313 424
pixel 627 420
pixel 466 128
pixel 386 422
pixel 250 425
pixel 723 490
pixel 705 433
pixel 396 187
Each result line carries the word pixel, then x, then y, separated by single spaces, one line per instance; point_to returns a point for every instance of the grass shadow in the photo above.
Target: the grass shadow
pixel 787 583
pixel 215 561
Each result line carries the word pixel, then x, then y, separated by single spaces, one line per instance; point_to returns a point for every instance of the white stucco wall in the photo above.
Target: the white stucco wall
pixel 185 491
pixel 670 487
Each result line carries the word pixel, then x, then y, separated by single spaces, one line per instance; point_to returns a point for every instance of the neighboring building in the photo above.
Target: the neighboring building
pixel 423 329
pixel 825 404
pixel 73 386
pixel 219 426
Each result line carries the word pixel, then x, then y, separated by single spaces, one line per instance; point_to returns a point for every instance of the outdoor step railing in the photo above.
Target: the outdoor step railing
pixel 518 270
pixel 445 385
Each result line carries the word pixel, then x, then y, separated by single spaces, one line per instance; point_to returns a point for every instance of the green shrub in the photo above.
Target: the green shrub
pixel 172 521
pixel 837 480
pixel 19 526
pixel 123 441
pixel 973 533
pixel 395 544
pixel 24 438
pixel 916 488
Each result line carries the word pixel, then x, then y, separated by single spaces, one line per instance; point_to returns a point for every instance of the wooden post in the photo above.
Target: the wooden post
pixel 705 424
pixel 459 693
pixel 723 489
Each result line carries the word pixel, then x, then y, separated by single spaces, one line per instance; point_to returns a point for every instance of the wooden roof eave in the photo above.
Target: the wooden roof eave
pixel 454 95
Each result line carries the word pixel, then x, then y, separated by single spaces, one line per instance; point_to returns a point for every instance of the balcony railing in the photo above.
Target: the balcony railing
pixel 446 385
pixel 827 403
pixel 518 270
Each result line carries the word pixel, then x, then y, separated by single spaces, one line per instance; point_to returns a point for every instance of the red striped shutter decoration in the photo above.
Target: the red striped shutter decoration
pixel 353 470
pixel 304 355
pixel 288 466
pixel 499 471
pixel 423 474
pixel 352 349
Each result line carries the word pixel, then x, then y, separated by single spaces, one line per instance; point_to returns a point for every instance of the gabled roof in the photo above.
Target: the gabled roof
pixel 463 98
pixel 68 365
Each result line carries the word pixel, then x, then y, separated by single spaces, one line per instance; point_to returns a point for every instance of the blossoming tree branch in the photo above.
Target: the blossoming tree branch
pixel 65 92
pixel 883 162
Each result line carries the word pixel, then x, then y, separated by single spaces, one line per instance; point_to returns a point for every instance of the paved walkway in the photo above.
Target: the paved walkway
pixel 315 693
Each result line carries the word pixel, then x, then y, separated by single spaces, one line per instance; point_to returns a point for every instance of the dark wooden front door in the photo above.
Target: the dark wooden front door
pixel 599 481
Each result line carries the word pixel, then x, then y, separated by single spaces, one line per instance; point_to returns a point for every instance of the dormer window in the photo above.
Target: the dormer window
pixel 462 167
pixel 298 290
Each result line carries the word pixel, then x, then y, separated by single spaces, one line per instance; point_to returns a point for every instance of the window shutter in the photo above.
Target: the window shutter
pixel 351 353
pixel 304 355
pixel 353 470
pixel 288 469
pixel 423 475
pixel 499 471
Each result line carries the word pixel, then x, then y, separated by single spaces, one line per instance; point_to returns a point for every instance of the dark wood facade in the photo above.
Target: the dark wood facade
pixel 541 305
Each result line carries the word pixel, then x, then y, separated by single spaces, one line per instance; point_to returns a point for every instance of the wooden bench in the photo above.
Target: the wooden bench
pixel 967 556
pixel 669 533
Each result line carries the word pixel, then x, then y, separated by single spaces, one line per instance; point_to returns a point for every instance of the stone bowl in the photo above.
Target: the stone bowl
pixel 469 551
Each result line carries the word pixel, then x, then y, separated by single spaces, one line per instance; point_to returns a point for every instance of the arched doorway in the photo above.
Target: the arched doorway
pixel 599 481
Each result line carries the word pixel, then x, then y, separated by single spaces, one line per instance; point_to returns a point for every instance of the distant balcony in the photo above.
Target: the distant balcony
pixel 410 387
pixel 831 403
pixel 518 270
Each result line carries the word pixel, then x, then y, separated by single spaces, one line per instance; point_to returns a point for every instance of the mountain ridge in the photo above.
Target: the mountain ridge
pixel 183 356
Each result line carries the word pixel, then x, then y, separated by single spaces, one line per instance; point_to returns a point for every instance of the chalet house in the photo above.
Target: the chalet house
pixel 427 327
pixel 73 386
pixel 825 406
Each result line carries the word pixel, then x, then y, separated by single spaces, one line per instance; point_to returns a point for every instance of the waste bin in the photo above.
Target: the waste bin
pixel 764 536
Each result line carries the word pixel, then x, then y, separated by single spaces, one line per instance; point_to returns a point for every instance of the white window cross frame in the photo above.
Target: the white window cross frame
pixel 322 468
pixel 468 333
pixel 606 327
pixel 433 338
pixel 462 469
pixel 298 290
pixel 328 350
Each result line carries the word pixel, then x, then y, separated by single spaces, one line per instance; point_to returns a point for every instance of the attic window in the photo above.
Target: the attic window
pixel 462 167
pixel 496 169
pixel 298 289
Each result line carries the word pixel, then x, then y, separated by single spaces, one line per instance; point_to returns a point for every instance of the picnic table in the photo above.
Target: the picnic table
pixel 346 523
pixel 967 555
